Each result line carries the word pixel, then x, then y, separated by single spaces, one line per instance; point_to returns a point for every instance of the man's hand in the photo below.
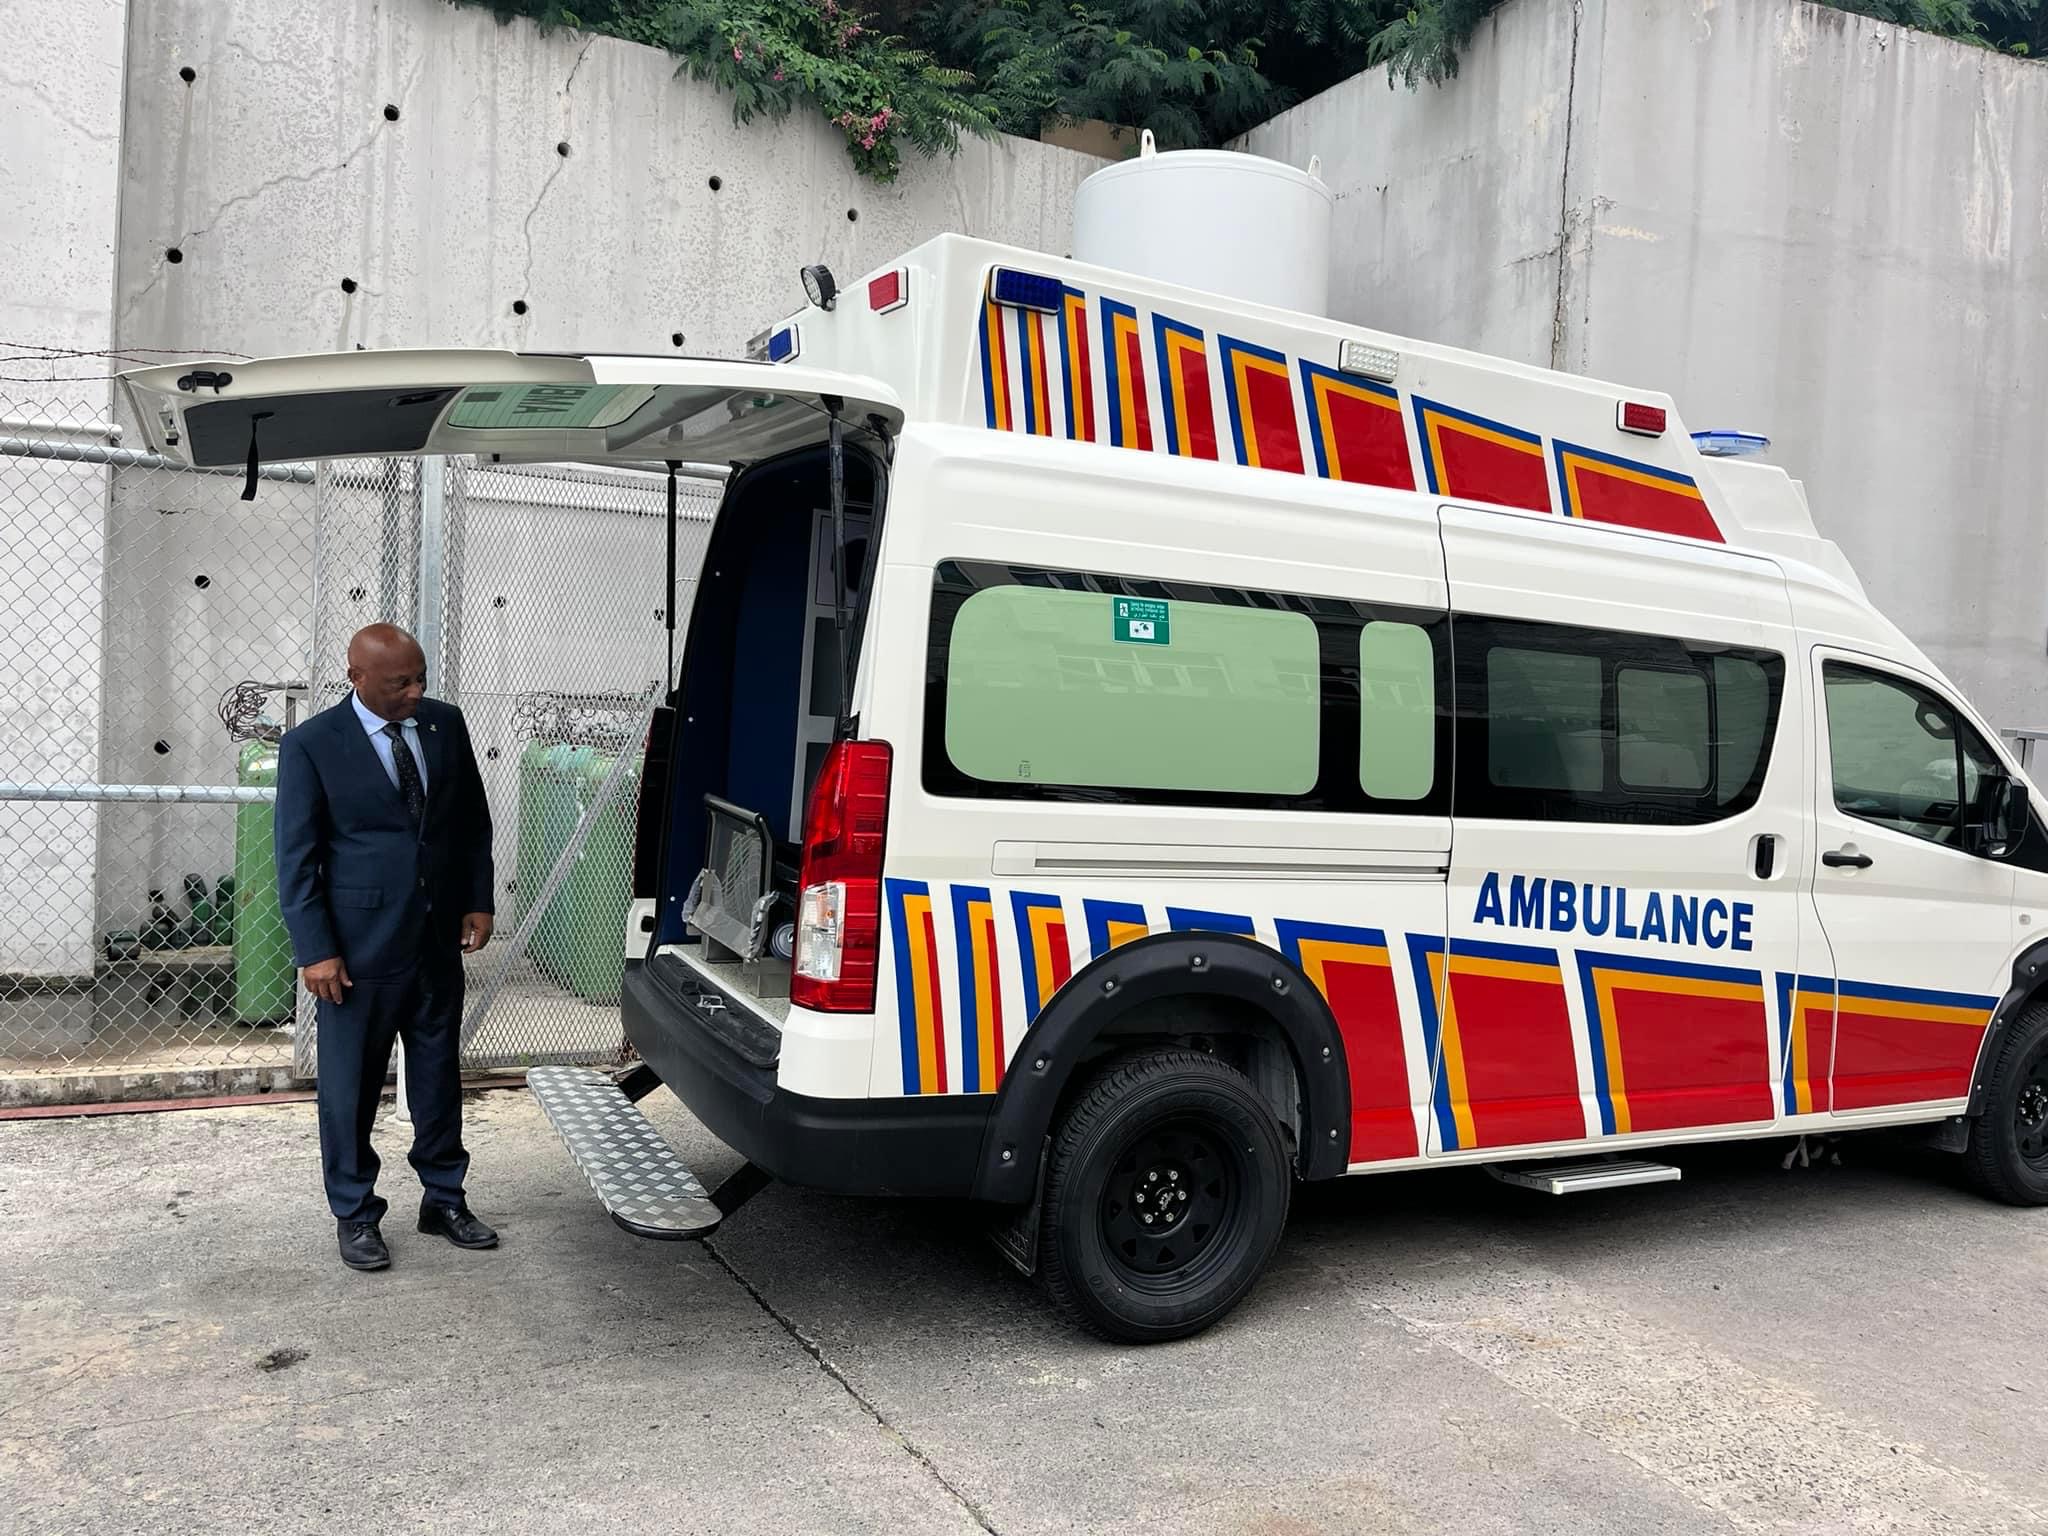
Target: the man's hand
pixel 476 931
pixel 325 979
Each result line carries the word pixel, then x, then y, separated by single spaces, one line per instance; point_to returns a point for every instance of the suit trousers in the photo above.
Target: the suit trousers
pixel 353 1040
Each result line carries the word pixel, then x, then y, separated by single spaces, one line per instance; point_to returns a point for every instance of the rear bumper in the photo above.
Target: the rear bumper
pixel 906 1146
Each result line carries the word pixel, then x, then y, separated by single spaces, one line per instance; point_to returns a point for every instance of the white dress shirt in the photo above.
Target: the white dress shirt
pixel 381 743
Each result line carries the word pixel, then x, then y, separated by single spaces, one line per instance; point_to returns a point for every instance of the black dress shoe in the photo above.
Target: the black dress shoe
pixel 456 1224
pixel 362 1245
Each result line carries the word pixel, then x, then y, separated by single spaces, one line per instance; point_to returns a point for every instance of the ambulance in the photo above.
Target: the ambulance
pixel 1138 747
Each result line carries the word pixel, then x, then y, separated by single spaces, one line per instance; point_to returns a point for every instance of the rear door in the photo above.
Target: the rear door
pixel 1625 861
pixel 1921 928
pixel 504 405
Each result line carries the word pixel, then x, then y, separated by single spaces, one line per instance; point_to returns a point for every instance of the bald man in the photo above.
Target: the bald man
pixel 384 874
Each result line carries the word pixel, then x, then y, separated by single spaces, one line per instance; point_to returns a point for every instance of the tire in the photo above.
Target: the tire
pixel 1190 1137
pixel 2008 1153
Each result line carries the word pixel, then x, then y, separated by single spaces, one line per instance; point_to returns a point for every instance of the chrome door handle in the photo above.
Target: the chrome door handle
pixel 1834 858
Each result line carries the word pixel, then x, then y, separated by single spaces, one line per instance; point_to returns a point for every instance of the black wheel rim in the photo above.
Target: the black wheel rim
pixel 2030 1111
pixel 1175 1195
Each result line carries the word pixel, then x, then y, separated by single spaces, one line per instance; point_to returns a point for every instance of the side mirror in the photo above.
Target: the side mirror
pixel 2005 820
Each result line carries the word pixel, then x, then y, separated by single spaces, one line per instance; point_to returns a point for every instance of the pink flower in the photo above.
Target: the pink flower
pixel 738 57
pixel 778 74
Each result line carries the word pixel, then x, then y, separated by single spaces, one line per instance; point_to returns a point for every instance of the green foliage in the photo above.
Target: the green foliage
pixel 1196 72
pixel 772 55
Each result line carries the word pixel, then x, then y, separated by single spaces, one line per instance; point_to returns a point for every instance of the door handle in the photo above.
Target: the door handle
pixel 1835 858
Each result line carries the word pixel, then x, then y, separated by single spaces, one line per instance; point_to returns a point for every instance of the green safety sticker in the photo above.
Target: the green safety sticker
pixel 488 406
pixel 1140 621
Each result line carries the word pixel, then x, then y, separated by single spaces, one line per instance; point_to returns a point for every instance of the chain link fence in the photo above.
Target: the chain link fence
pixel 162 633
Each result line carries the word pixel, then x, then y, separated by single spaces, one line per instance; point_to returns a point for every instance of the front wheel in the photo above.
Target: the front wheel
pixel 2008 1151
pixel 1165 1193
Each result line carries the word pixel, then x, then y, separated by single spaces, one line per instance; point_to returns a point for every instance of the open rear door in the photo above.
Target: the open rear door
pixel 502 405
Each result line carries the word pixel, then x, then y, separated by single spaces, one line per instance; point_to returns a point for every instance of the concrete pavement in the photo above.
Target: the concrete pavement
pixel 1843 1349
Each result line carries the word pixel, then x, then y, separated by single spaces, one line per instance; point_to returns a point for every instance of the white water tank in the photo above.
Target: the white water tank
pixel 1212 219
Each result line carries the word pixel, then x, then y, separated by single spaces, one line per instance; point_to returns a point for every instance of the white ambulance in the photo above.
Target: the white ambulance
pixel 1138 747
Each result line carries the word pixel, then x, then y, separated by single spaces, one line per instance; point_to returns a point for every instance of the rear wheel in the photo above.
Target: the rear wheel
pixel 2008 1151
pixel 1166 1190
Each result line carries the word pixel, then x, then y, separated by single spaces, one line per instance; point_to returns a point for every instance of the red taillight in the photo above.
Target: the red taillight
pixel 1643 420
pixel 839 905
pixel 890 291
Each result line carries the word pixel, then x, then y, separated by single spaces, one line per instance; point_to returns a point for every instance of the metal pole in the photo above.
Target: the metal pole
pixel 668 602
pixel 431 624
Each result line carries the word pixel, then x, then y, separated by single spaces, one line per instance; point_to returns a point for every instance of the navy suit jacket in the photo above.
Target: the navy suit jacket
pixel 355 877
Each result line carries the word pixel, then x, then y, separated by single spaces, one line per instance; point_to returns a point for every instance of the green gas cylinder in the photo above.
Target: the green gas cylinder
pixel 264 973
pixel 598 889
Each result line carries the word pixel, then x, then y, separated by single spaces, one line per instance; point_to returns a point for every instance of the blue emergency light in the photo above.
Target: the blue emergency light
pixel 783 345
pixel 1730 445
pixel 1027 290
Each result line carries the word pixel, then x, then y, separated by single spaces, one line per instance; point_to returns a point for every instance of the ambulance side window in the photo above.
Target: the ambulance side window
pixel 1562 723
pixel 1087 686
pixel 1901 757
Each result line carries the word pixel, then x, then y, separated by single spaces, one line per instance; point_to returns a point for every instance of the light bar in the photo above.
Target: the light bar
pixel 784 344
pixel 1368 361
pixel 1730 445
pixel 1027 290
pixel 1642 420
pixel 890 291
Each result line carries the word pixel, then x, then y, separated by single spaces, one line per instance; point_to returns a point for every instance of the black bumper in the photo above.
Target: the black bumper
pixel 702 1044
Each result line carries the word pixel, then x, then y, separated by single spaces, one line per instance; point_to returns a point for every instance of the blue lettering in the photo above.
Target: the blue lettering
pixel 1596 925
pixel 1488 910
pixel 1653 917
pixel 1685 919
pixel 1564 906
pixel 1525 902
pixel 1743 913
pixel 1714 908
pixel 1622 927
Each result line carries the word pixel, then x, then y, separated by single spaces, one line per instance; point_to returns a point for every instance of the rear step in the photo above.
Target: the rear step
pixel 1576 1178
pixel 645 1187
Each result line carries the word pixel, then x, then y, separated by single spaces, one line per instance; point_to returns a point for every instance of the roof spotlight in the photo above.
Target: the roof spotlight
pixel 819 287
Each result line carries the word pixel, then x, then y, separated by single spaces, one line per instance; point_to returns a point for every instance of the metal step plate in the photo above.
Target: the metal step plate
pixel 1576 1178
pixel 644 1186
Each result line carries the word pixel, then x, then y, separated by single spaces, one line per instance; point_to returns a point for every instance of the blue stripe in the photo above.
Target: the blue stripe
pixel 1169 379
pixel 1192 920
pixel 1596 1038
pixel 1024 371
pixel 1420 948
pixel 1229 349
pixel 1615 461
pixel 1113 360
pixel 1101 914
pixel 970 1011
pixel 1915 995
pixel 1310 372
pixel 906 1000
pixel 988 375
pixel 1022 904
pixel 1685 968
pixel 1291 934
pixel 1478 949
pixel 1067 359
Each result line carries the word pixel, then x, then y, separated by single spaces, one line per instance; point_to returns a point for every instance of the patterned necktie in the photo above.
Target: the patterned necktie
pixel 408 771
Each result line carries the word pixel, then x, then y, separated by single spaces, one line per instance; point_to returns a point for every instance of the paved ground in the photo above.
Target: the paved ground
pixel 1850 1349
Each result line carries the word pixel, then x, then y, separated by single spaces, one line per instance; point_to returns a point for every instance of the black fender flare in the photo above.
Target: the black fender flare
pixel 1145 970
pixel 2029 981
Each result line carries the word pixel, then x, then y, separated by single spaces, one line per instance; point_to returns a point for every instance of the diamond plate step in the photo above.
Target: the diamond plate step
pixel 644 1186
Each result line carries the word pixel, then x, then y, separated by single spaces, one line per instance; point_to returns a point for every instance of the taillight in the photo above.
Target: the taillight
pixel 839 908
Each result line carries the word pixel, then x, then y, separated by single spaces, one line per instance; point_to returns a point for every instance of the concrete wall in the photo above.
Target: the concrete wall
pixel 276 174
pixel 60 116
pixel 1791 218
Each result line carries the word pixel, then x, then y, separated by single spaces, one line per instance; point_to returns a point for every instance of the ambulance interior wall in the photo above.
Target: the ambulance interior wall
pixel 1792 219
pixel 306 217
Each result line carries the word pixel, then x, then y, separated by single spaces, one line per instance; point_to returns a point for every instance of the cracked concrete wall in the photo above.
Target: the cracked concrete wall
pixel 1793 219
pixel 60 118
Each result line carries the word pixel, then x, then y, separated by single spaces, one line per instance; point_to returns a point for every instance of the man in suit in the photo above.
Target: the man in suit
pixel 384 874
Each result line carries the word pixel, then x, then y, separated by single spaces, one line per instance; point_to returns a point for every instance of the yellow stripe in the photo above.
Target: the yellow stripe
pixel 1610 1035
pixel 1034 348
pixel 1930 1013
pixel 1454 1054
pixel 1041 950
pixel 998 366
pixel 915 910
pixel 1573 464
pixel 978 917
pixel 1802 1076
pixel 1506 970
pixel 1484 434
pixel 1241 384
pixel 1175 346
pixel 1122 933
pixel 1126 387
pixel 1683 986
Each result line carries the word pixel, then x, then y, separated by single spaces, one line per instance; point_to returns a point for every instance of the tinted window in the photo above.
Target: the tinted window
pixel 1074 685
pixel 1562 723
pixel 1902 758
pixel 1396 711
pixel 1042 688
